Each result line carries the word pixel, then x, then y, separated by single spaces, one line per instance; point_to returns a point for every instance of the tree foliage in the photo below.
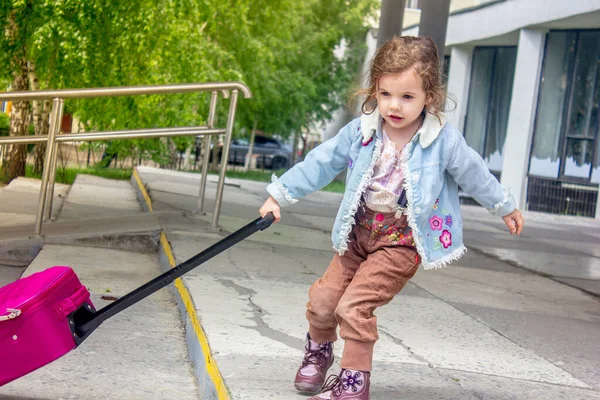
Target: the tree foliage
pixel 282 49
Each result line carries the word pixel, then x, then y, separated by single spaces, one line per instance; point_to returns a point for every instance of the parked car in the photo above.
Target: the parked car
pixel 270 152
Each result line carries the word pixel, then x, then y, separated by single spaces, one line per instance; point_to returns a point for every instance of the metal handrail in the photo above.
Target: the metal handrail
pixel 54 137
pixel 223 87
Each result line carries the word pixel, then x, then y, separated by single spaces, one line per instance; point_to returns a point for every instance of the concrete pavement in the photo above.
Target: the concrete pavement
pixel 103 234
pixel 480 329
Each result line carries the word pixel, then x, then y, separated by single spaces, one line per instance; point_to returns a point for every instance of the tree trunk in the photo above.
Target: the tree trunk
pixel 294 147
pixel 173 154
pixel 41 121
pixel 188 156
pixel 16 156
pixel 250 148
pixel 215 155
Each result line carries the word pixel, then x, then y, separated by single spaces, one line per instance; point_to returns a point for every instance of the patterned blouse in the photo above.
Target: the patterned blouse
pixel 386 184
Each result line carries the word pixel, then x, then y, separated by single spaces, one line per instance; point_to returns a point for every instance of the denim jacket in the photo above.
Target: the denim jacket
pixel 435 162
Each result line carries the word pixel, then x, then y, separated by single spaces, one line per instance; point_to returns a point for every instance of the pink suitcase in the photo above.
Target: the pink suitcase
pixel 34 320
pixel 48 314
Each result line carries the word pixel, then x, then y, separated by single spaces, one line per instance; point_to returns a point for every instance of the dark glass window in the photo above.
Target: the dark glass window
pixel 567 121
pixel 490 91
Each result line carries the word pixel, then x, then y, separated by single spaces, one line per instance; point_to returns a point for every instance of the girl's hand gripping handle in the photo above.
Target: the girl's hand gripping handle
pixel 271 206
pixel 266 221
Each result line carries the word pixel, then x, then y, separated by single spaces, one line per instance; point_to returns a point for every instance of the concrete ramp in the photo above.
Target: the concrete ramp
pixel 138 354
pixel 95 197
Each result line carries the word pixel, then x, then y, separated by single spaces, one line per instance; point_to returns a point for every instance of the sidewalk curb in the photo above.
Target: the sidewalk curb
pixel 208 375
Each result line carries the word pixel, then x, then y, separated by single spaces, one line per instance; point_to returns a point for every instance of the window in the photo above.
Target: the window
pixel 262 141
pixel 413 4
pixel 565 142
pixel 490 92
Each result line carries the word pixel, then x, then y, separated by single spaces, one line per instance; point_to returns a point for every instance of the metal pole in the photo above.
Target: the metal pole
pixel 205 158
pixel 434 22
pixel 223 87
pixel 225 158
pixel 50 198
pixel 390 20
pixel 57 104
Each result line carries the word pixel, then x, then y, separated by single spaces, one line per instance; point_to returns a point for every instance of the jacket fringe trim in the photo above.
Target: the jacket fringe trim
pixel 284 191
pixel 410 213
pixel 444 261
pixel 348 220
pixel 494 210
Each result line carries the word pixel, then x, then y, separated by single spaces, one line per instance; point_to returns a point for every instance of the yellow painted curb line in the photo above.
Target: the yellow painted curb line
pixel 142 189
pixel 210 364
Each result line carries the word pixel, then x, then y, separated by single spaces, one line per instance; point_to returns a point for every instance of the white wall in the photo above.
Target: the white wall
pixel 342 116
pixel 511 15
pixel 459 79
pixel 519 134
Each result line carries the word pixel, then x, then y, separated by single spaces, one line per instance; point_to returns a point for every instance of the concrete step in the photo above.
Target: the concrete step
pixel 19 202
pixel 9 273
pixel 138 354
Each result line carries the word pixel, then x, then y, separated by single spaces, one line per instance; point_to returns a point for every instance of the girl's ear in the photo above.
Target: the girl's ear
pixel 428 100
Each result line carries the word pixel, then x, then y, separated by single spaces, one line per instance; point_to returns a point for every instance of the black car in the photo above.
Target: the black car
pixel 270 152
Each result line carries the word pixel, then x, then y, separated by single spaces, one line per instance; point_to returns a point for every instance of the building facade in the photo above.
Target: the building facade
pixel 526 77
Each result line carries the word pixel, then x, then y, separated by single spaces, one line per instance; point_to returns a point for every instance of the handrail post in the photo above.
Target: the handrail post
pixel 57 105
pixel 52 178
pixel 224 159
pixel 205 158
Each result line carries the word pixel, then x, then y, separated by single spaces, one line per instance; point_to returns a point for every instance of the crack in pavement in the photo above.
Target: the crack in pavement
pixel 235 264
pixel 304 265
pixel 417 357
pixel 400 343
pixel 261 327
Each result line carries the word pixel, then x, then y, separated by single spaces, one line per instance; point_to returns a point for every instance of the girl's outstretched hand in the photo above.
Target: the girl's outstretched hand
pixel 271 205
pixel 515 222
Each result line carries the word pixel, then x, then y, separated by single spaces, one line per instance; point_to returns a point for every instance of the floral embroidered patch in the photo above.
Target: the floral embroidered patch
pixel 396 234
pixel 441 223
pixel 448 220
pixel 436 223
pixel 446 239
pixel 350 163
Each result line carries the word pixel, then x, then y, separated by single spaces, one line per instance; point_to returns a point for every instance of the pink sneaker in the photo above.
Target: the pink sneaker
pixel 313 370
pixel 348 385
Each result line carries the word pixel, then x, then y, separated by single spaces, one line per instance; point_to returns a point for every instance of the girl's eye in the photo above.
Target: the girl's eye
pixel 385 94
pixel 408 96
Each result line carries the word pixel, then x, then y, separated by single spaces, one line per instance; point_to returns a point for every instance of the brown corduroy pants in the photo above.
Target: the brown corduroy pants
pixel 379 262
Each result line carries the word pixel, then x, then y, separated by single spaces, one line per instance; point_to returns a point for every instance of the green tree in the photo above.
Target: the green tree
pixel 282 49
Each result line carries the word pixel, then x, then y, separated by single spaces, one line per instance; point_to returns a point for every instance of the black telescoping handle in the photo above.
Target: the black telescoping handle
pixel 165 279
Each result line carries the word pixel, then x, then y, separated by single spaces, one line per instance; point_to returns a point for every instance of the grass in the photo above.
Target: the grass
pixel 335 186
pixel 68 175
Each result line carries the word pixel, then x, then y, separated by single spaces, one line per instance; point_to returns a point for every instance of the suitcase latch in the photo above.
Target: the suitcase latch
pixel 14 313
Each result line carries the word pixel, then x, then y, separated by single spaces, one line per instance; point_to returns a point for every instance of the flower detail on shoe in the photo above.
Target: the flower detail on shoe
pixel 352 380
pixel 348 385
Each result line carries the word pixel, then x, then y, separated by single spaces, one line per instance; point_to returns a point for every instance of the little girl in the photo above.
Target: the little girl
pixel 400 209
